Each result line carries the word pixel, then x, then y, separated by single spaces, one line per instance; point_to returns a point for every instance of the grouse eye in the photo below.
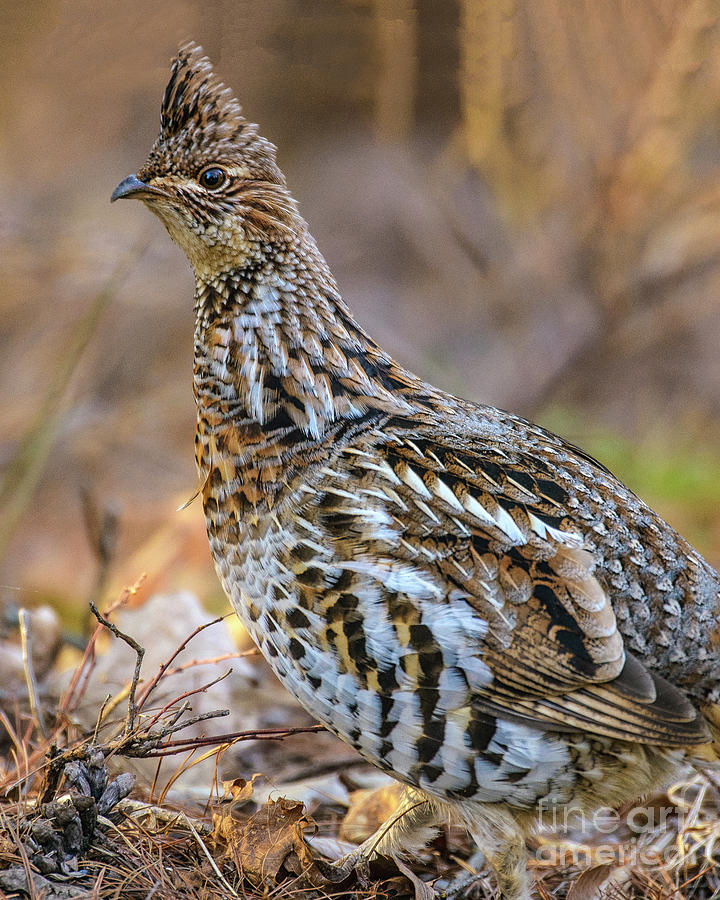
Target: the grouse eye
pixel 212 178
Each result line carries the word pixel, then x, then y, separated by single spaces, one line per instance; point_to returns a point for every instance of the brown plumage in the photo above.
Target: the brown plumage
pixel 480 608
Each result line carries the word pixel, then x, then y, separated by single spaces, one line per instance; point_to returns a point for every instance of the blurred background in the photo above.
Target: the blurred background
pixel 520 200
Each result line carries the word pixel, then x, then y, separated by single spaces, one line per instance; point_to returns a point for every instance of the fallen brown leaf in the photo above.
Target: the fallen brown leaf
pixel 239 790
pixel 268 840
pixel 423 891
pixel 588 885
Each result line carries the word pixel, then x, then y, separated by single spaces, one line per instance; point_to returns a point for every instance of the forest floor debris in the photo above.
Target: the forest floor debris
pixel 70 829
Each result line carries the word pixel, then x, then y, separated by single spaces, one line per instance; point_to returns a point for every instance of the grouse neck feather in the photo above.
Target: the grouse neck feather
pixel 276 349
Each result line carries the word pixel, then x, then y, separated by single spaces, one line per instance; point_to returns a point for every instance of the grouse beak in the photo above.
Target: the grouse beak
pixel 132 188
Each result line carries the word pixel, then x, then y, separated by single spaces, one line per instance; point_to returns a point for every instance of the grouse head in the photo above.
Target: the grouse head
pixel 210 177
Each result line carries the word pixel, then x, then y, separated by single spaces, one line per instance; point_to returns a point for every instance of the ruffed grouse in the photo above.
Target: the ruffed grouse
pixel 478 607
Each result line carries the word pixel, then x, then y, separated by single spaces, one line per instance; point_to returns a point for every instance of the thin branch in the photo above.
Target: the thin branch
pixel 100 716
pixel 115 700
pixel 213 660
pixel 180 713
pixel 166 665
pixel 139 654
pixel 201 717
pixel 199 690
pixel 89 654
pixel 169 748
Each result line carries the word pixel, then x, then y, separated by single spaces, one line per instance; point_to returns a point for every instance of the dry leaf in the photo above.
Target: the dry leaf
pixel 235 794
pixel 260 846
pixel 588 885
pixel 423 891
pixel 239 790
pixel 368 810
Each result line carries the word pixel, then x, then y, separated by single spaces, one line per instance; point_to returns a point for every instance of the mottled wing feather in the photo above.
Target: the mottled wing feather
pixel 504 542
pixel 609 710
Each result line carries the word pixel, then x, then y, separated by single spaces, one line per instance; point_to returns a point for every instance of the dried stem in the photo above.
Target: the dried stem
pixel 86 663
pixel 213 660
pixel 181 745
pixel 199 690
pixel 30 680
pixel 201 717
pixel 139 654
pixel 166 665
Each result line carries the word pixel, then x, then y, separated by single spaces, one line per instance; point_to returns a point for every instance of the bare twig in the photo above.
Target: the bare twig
pixel 190 693
pixel 166 665
pixel 70 701
pixel 213 660
pixel 181 745
pixel 181 712
pixel 100 717
pixel 139 654
pixel 202 717
pixel 114 701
